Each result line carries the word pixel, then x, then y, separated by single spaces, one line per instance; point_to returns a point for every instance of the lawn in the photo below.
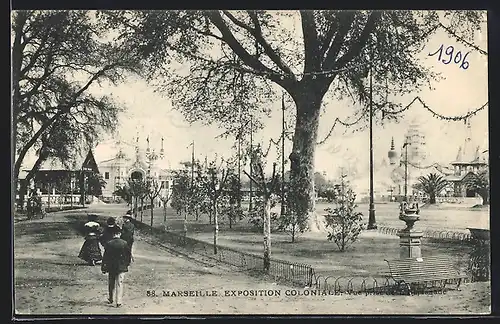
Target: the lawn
pixel 364 258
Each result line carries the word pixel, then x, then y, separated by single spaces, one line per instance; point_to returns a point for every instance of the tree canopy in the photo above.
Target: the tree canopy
pixel 226 67
pixel 57 57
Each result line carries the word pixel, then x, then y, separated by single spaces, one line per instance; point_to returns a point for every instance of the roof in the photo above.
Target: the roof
pixel 55 164
pixel 455 178
pixel 468 154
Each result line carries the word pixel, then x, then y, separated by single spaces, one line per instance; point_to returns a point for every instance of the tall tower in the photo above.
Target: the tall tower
pixel 162 151
pixel 416 140
pixel 468 149
pixel 120 160
pixel 392 154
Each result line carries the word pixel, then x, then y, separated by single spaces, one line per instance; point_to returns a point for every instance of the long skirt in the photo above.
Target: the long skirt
pixel 90 251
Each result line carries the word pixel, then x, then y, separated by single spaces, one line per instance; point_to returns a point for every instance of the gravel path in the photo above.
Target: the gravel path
pixel 50 279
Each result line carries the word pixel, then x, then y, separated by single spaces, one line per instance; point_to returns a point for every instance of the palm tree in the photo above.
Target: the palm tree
pixel 432 185
pixel 480 183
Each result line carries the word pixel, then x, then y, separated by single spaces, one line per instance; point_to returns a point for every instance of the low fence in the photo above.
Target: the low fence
pixel 304 275
pixel 436 234
pixel 356 285
pixel 280 270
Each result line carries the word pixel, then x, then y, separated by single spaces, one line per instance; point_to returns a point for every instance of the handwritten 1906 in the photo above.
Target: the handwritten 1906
pixel 452 56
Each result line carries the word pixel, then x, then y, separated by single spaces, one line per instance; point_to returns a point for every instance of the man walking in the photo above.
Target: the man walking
pixel 128 231
pixel 107 233
pixel 116 260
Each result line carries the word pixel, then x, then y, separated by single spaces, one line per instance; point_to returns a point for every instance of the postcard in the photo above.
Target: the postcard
pixel 255 162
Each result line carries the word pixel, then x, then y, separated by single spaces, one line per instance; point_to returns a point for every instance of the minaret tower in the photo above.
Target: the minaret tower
pixel 392 154
pixel 162 152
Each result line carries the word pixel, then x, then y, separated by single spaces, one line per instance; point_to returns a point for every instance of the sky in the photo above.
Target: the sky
pixel 149 113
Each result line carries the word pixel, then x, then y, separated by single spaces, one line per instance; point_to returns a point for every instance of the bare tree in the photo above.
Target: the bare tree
pixel 142 195
pixel 216 180
pixel 268 187
pixel 154 188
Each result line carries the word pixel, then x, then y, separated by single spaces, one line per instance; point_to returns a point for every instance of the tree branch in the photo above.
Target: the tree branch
pixel 333 47
pixel 312 57
pixel 358 45
pixel 273 55
pixel 242 53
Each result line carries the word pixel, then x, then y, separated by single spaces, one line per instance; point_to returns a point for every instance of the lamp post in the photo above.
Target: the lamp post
pixel 371 212
pixel 282 211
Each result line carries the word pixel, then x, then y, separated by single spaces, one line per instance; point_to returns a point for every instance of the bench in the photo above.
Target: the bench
pixel 416 274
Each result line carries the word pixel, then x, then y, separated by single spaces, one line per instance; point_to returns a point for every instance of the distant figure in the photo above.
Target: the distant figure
pixel 90 251
pixel 116 261
pixel 107 233
pixel 128 231
pixel 34 206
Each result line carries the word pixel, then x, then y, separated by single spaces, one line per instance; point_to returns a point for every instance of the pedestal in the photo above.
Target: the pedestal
pixel 409 243
pixel 409 238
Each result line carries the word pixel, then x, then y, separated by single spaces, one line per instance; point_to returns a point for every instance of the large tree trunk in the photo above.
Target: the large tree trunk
pixel 308 103
pixel 17 57
pixel 267 234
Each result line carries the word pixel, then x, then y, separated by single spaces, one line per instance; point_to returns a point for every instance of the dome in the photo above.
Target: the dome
pixel 392 154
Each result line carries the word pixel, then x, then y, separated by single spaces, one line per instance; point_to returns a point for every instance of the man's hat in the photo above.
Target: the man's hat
pixel 128 214
pixel 116 230
pixel 92 217
pixel 111 222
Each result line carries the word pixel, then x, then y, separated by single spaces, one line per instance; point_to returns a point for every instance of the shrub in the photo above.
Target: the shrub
pixel 343 222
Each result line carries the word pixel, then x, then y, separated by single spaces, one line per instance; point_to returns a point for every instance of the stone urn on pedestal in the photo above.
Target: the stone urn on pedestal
pixel 409 238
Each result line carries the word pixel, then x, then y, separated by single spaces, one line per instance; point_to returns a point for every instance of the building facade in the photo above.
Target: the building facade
pixel 60 184
pixel 470 161
pixel 144 164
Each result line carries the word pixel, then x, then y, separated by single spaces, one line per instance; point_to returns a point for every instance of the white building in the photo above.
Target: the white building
pixel 143 164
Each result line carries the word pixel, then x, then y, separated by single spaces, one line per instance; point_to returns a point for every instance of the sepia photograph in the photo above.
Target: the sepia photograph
pixel 250 162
